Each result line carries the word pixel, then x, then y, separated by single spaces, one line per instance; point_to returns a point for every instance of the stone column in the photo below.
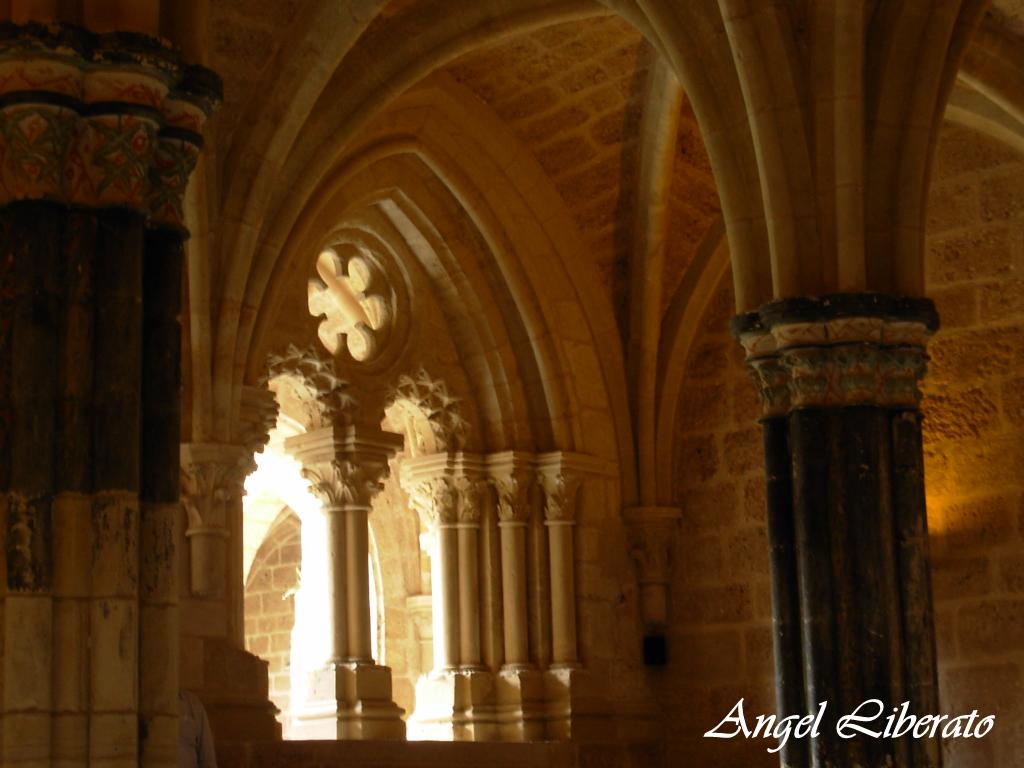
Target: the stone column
pixel 841 373
pixel 560 486
pixel 771 380
pixel 455 702
pixel 468 490
pixel 80 168
pixel 575 700
pixel 351 699
pixel 212 477
pixel 430 484
pixel 520 685
pixel 492 623
pixel 513 479
pixel 29 262
pixel 72 509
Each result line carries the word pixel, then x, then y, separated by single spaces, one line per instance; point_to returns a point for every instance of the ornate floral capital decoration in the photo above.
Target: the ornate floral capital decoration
pixel 443 412
pixel 257 418
pixel 212 481
pixel 435 499
pixel 342 483
pixel 560 496
pixel 652 538
pixel 329 399
pixel 470 491
pixel 212 476
pixel 100 119
pixel 346 466
pixel 512 476
pixel 445 488
pixel 839 350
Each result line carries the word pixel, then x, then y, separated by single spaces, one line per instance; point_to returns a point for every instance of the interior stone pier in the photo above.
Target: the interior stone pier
pixel 93 255
pixel 851 587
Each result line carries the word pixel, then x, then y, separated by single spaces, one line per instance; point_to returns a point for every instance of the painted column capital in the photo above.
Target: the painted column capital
pixel 839 350
pixel 100 119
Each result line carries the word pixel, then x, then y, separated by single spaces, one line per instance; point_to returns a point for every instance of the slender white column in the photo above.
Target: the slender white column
pixel 563 593
pixel 560 488
pixel 469 499
pixel 512 479
pixel 436 614
pixel 538 579
pixel 445 489
pixel 358 554
pixel 492 621
pixel 337 591
pixel 446 595
pixel 345 465
pixel 513 584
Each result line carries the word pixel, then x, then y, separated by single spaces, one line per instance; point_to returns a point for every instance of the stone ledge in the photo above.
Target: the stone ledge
pixel 434 754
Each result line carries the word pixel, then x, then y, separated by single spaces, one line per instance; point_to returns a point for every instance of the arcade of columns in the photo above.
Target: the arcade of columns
pixel 506 658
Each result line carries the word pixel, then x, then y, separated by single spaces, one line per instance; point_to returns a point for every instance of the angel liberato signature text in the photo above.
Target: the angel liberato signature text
pixel 868 719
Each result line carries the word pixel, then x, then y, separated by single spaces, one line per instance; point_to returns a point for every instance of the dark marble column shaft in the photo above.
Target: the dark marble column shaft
pixel 847 523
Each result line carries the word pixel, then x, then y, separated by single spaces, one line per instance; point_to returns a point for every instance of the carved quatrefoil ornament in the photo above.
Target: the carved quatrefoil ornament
pixel 351 296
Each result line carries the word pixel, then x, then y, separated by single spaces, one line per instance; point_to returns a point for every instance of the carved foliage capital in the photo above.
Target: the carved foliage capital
pixel 560 491
pixel 257 418
pixel 436 499
pixel 651 535
pixel 346 482
pixel 443 411
pixel 212 477
pixel 470 492
pixel 330 399
pixel 513 492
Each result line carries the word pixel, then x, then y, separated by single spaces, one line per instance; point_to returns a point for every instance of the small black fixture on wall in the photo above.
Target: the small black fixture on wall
pixel 655 650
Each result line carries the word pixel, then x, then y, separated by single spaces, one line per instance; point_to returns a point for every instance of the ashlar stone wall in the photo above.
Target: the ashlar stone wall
pixel 720 643
pixel 974 438
pixel 270 607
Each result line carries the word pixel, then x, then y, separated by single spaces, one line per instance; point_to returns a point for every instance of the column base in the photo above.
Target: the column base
pixel 520 707
pixel 456 705
pixel 576 708
pixel 349 701
pixel 233 686
pixel 560 704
